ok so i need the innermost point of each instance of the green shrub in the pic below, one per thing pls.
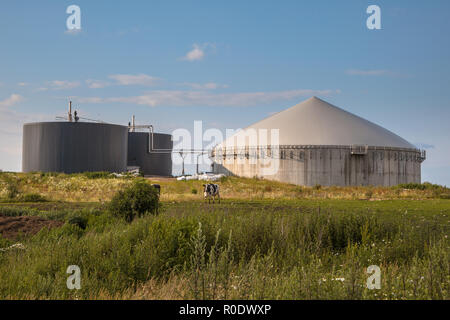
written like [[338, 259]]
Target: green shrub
[[223, 179], [412, 186], [17, 211], [12, 188], [317, 187], [420, 186], [136, 200], [50, 174], [32, 197], [194, 191], [98, 175], [79, 221]]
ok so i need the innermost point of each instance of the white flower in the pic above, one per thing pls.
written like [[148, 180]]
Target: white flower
[[339, 279]]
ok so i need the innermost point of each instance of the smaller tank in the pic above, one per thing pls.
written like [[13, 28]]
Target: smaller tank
[[154, 158]]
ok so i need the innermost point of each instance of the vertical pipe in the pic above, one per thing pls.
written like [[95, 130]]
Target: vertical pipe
[[69, 116]]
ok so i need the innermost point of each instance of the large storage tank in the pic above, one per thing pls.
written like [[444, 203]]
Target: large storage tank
[[151, 158], [73, 147], [319, 143]]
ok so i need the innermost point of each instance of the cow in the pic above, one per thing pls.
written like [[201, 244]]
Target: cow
[[211, 190]]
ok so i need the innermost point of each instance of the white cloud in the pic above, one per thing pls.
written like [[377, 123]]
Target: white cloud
[[11, 100], [97, 84], [11, 123], [203, 98], [197, 53], [63, 84], [139, 79], [23, 84], [204, 86], [356, 72]]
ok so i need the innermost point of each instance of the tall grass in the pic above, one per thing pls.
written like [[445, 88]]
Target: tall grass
[[275, 251]]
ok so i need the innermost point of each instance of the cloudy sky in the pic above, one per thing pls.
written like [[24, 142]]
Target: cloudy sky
[[227, 63]]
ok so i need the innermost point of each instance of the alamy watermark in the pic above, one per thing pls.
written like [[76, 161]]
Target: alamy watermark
[[374, 20], [74, 280], [374, 281], [73, 22], [242, 146]]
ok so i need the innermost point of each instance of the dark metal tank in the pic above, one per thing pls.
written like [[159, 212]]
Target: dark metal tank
[[72, 147], [151, 162]]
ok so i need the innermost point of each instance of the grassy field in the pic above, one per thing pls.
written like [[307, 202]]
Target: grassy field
[[266, 240]]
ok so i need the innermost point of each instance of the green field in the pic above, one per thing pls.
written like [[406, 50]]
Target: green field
[[264, 241]]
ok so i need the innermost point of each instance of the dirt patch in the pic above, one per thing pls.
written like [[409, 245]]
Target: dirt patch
[[12, 227]]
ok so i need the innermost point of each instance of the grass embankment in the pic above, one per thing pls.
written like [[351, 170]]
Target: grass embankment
[[100, 187], [304, 247]]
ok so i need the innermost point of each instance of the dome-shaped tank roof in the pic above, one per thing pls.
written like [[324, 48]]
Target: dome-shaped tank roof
[[317, 122]]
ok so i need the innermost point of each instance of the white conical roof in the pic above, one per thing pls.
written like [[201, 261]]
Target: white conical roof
[[316, 122]]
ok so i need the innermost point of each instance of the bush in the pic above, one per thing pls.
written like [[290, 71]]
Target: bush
[[33, 197], [223, 179], [97, 175], [12, 188], [79, 221], [420, 186], [412, 186], [136, 200], [194, 191], [51, 174]]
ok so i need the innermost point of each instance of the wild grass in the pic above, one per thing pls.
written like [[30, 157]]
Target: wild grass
[[265, 250], [56, 186], [267, 240], [101, 187]]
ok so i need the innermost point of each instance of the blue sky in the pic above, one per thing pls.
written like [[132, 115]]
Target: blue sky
[[229, 64]]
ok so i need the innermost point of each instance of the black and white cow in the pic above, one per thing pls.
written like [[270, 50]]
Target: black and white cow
[[211, 190]]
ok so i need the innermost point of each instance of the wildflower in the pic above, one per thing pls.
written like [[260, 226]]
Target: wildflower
[[339, 279]]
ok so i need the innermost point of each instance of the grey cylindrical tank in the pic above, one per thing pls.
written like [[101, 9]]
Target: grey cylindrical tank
[[151, 162], [72, 147]]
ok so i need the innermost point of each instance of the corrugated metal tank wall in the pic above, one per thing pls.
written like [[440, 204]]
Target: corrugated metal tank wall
[[150, 163], [330, 166], [73, 147]]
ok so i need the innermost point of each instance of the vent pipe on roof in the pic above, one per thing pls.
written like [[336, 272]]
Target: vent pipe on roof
[[69, 115]]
